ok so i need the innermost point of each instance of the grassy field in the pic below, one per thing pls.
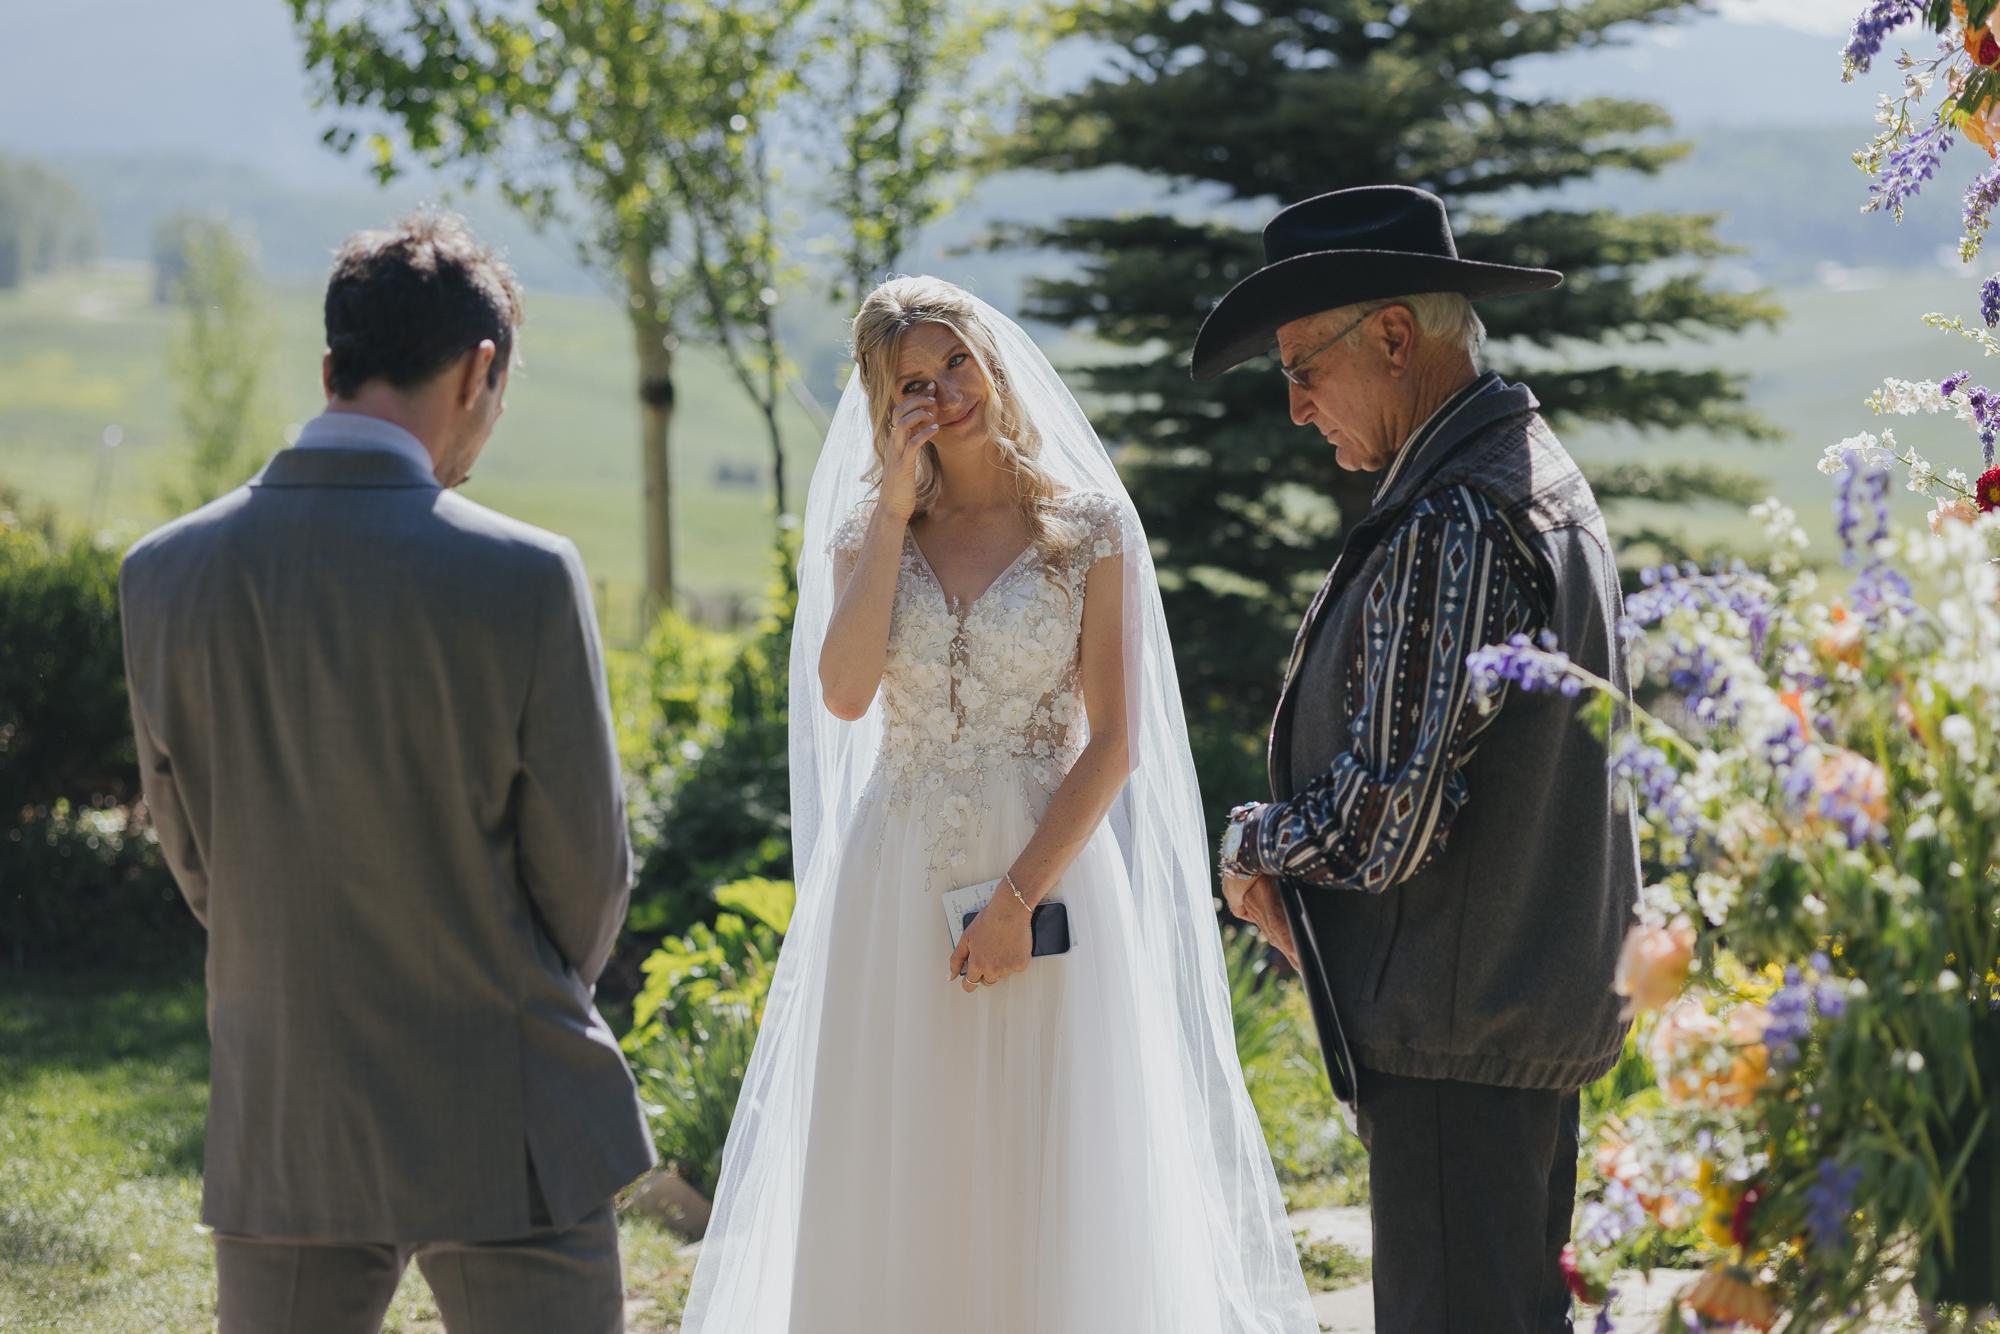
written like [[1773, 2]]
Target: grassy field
[[86, 352], [103, 1092]]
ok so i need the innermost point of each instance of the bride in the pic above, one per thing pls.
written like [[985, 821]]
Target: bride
[[981, 1139]]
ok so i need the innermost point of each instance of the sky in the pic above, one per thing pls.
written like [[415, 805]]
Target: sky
[[1819, 17]]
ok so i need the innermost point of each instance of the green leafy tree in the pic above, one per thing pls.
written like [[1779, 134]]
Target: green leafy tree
[[46, 225], [584, 113], [906, 112], [218, 359], [649, 129], [1260, 104]]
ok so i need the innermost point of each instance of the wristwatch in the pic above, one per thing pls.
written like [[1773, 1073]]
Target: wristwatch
[[1233, 836]]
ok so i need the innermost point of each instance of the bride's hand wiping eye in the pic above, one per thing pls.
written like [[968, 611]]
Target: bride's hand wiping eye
[[911, 427]]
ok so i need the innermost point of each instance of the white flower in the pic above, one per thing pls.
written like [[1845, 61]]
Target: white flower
[[1905, 398], [1717, 895], [1922, 477]]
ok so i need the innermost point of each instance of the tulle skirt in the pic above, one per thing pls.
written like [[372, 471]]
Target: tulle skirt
[[1013, 1161]]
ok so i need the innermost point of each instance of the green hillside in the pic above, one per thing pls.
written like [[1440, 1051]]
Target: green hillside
[[83, 353]]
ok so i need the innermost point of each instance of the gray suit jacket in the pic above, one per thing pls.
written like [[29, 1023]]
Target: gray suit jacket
[[375, 740]]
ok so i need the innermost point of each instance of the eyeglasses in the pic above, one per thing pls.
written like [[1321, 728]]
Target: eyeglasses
[[1291, 372]]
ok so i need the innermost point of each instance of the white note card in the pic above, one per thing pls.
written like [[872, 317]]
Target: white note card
[[959, 902]]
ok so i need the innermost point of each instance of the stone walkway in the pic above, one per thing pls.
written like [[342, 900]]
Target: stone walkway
[[1642, 1299]]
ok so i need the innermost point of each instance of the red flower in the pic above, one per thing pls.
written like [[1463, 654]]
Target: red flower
[[1580, 1285], [1739, 1220], [1987, 490]]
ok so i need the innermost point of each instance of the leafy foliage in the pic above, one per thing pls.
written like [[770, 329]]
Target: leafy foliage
[[46, 224], [714, 800], [696, 1023], [79, 877], [218, 358]]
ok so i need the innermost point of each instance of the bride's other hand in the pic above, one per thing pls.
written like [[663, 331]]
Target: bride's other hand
[[910, 429], [999, 943]]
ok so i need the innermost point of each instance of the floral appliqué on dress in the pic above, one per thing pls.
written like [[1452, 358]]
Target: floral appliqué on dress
[[974, 692]]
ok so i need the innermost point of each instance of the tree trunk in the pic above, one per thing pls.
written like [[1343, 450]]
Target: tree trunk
[[650, 331]]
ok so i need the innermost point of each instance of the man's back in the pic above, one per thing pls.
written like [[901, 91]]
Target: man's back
[[379, 756]]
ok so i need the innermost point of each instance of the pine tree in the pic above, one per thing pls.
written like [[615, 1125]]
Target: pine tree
[[1245, 107]]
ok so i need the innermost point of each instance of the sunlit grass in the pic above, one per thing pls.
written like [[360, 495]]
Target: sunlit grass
[[103, 1093]]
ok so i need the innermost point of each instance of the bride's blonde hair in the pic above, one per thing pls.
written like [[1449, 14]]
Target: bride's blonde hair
[[900, 305]]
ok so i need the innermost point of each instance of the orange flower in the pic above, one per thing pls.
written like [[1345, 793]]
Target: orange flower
[[1729, 1296], [1859, 784], [1700, 1059], [1843, 642], [1795, 700], [1653, 965], [1956, 510]]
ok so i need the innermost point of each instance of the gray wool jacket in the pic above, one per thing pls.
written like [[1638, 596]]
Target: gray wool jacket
[[1493, 963], [375, 740]]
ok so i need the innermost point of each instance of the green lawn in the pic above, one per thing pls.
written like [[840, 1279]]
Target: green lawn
[[103, 1093]]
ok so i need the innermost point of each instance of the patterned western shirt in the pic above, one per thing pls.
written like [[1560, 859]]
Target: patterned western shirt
[[1456, 578]]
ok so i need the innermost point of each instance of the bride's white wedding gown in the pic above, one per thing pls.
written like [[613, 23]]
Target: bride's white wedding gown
[[1016, 1160]]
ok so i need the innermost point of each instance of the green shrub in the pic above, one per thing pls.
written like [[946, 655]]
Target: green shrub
[[690, 1085], [80, 880], [714, 799], [696, 1022], [1318, 1161]]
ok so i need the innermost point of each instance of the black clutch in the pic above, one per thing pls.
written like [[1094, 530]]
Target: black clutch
[[1050, 924]]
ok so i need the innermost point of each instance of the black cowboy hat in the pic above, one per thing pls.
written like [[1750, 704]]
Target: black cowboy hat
[[1370, 243]]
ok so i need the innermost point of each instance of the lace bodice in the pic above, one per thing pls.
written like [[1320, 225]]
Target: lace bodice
[[977, 690]]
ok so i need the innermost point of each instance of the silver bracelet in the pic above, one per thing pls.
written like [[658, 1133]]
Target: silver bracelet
[[1008, 877]]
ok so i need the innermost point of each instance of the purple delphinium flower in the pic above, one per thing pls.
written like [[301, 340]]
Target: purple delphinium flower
[[1531, 665], [1603, 1325], [1785, 750], [1872, 28], [1829, 1200], [1861, 499], [1790, 1023], [1906, 167], [1989, 300], [1830, 1000], [1703, 682], [1980, 197], [1670, 588], [1954, 382], [1881, 588], [1657, 783], [1602, 1224], [1849, 805]]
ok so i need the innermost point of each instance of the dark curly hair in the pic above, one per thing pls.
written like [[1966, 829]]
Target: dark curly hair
[[404, 303]]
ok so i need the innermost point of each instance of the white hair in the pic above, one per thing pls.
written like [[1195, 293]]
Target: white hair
[[1446, 315]]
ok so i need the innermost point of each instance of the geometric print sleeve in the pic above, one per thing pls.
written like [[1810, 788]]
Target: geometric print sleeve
[[1456, 579]]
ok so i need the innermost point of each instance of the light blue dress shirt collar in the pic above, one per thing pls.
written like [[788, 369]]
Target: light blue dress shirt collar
[[354, 430]]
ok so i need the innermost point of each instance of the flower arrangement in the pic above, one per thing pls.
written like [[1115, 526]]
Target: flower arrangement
[[1813, 963], [1814, 969]]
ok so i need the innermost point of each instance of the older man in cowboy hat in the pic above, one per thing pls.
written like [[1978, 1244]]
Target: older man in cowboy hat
[[1452, 881]]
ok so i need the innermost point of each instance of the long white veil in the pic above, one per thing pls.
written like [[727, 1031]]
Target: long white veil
[[742, 1282]]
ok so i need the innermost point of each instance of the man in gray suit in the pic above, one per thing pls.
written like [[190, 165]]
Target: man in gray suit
[[376, 744]]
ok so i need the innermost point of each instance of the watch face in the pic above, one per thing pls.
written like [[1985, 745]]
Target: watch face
[[1232, 841]]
